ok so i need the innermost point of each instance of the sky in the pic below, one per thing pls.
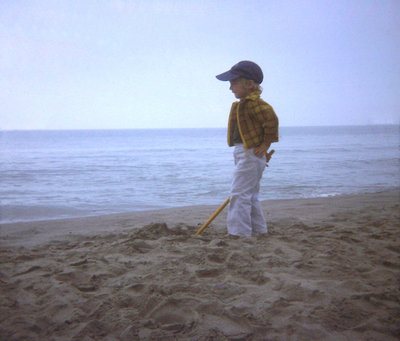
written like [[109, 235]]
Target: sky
[[120, 64]]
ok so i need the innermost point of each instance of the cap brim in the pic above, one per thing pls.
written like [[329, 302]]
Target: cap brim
[[227, 76]]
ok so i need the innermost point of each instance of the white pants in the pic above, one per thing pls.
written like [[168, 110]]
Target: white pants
[[245, 216]]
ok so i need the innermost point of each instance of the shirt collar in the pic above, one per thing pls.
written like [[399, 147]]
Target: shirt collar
[[252, 96]]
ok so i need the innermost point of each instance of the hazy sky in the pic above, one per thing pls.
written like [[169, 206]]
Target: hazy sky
[[77, 64]]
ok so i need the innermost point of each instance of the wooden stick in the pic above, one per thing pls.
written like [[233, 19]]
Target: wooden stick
[[218, 211]]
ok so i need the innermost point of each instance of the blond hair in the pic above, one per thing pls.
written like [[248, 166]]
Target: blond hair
[[255, 86]]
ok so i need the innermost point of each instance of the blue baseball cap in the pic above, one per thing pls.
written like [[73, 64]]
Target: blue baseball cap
[[245, 69]]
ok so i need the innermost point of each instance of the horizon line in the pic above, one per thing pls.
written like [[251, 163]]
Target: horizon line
[[187, 128]]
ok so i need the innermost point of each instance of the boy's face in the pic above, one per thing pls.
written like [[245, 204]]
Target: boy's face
[[241, 87]]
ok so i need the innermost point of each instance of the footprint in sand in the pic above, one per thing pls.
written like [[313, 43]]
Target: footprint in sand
[[216, 257], [230, 324], [211, 272], [174, 314], [79, 279]]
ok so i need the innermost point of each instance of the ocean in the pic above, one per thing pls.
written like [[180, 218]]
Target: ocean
[[61, 174]]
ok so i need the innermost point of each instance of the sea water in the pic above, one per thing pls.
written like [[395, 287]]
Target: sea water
[[57, 174]]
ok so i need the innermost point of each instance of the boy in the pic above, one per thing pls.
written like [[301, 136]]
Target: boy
[[252, 127]]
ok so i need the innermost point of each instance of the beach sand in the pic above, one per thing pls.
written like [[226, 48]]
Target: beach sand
[[328, 270]]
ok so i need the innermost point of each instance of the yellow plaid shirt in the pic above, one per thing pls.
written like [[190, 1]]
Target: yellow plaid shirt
[[256, 119]]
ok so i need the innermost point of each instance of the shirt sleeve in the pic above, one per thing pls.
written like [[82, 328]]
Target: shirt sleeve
[[269, 121]]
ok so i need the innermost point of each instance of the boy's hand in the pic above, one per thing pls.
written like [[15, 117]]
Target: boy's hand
[[269, 155]]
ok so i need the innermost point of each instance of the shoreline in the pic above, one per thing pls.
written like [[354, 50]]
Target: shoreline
[[31, 233], [31, 213], [328, 270]]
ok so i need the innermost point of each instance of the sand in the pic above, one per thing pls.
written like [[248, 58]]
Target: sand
[[328, 270]]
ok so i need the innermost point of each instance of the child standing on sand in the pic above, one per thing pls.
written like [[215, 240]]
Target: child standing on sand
[[252, 127]]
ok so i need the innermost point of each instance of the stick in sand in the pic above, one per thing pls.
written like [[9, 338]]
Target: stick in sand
[[218, 211]]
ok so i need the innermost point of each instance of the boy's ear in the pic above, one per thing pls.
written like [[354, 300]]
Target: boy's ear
[[250, 83]]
